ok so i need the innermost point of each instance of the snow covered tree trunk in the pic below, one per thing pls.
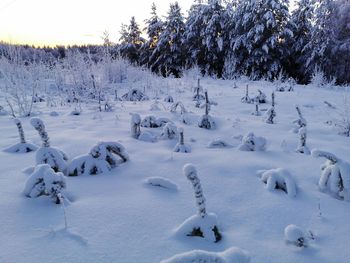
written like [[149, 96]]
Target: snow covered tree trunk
[[207, 105], [20, 130], [40, 127], [181, 140], [190, 172], [135, 126]]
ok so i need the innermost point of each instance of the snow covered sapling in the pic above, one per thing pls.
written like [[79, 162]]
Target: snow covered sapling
[[302, 148], [335, 176], [22, 146], [134, 95], [295, 235], [46, 154], [271, 113], [261, 97], [101, 159], [45, 181], [256, 103], [206, 121], [231, 255], [198, 97], [300, 122], [176, 105], [246, 98], [252, 143], [169, 132], [181, 146], [153, 122], [135, 125], [202, 224], [279, 179], [342, 123], [169, 99]]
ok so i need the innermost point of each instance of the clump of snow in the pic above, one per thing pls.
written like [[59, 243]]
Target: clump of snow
[[295, 235], [252, 143], [161, 182], [219, 143], [100, 159], [335, 175], [135, 95], [46, 154], [231, 255], [169, 131], [181, 146], [279, 178], [45, 181]]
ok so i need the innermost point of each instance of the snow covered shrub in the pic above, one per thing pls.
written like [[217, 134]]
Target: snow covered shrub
[[301, 122], [135, 95], [335, 176], [302, 148], [206, 121], [181, 146], [169, 99], [22, 146], [246, 98], [279, 179], [342, 122], [318, 78], [197, 93], [135, 125], [176, 105], [295, 235], [202, 224], [101, 159], [161, 182], [169, 131], [261, 97], [219, 143], [252, 143], [45, 181], [46, 154], [256, 112], [153, 122], [231, 255], [271, 113]]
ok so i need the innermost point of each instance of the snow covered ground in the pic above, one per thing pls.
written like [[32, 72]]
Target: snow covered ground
[[116, 217]]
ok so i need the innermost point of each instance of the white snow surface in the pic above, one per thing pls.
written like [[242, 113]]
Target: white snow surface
[[125, 222]]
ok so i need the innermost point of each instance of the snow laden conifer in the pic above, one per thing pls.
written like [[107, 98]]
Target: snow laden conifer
[[101, 159], [271, 113], [23, 146], [335, 175], [202, 224], [168, 56], [300, 122], [256, 103], [207, 121], [302, 147], [181, 146], [46, 154], [198, 96], [45, 181]]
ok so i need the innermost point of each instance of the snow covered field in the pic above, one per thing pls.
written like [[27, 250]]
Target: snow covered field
[[119, 217]]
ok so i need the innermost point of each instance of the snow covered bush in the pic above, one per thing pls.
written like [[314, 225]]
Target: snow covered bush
[[22, 146], [46, 154], [279, 179], [153, 122], [342, 122], [206, 121], [246, 98], [271, 113], [252, 143], [256, 112], [161, 182], [169, 131], [261, 97], [198, 97], [302, 148], [202, 224], [176, 105], [135, 95], [169, 99], [45, 181], [301, 122], [219, 143], [295, 235], [101, 159], [335, 175], [231, 255], [181, 146]]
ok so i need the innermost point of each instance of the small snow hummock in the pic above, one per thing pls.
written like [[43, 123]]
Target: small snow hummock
[[335, 175], [100, 159], [279, 179], [231, 255], [181, 146], [46, 154], [203, 224], [252, 143], [261, 97], [219, 143], [161, 182], [295, 235], [23, 146], [169, 131], [45, 181]]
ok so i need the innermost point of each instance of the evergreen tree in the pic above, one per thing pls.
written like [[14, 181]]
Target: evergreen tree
[[168, 56]]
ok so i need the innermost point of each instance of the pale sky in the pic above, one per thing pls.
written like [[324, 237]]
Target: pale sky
[[63, 22]]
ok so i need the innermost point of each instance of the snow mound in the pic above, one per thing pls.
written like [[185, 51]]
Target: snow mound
[[295, 235], [21, 148], [169, 131], [147, 136], [219, 143], [252, 143], [161, 182], [231, 255]]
